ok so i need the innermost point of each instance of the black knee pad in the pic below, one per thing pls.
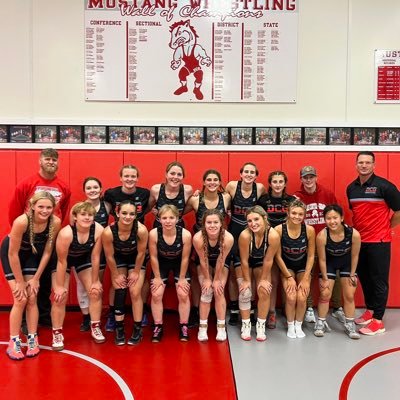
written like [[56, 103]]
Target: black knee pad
[[119, 301]]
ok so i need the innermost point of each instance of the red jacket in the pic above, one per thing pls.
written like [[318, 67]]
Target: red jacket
[[316, 203]]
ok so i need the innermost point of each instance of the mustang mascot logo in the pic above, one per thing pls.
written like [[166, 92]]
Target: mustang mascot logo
[[184, 42]]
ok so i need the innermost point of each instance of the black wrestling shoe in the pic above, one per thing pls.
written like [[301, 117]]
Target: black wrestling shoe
[[157, 333], [137, 335], [193, 317], [183, 333], [85, 325], [119, 339], [233, 318]]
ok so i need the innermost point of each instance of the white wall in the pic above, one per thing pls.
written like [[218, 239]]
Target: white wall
[[42, 70]]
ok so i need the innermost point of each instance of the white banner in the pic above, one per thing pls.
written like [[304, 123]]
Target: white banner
[[191, 50]]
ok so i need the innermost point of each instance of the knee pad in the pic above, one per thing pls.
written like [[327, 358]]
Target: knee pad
[[119, 301], [82, 295], [207, 298]]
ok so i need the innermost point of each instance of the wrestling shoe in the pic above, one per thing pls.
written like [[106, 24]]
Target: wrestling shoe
[[183, 332], [14, 349], [350, 329], [33, 346], [58, 340], [97, 334], [339, 314], [245, 332], [157, 333], [310, 316], [260, 330]]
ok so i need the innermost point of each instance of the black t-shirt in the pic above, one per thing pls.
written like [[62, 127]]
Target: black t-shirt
[[140, 198]]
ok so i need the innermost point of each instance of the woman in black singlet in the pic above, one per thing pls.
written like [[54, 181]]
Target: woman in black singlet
[[173, 191], [92, 188], [295, 259], [25, 253], [213, 245], [338, 246], [78, 246], [125, 244], [169, 246], [275, 203], [258, 244]]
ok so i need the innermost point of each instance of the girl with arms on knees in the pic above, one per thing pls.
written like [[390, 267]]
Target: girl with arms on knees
[[92, 188], [170, 246], [125, 244], [258, 244], [213, 245], [212, 196], [139, 196], [78, 246], [338, 246], [173, 191], [295, 258], [25, 253], [275, 203]]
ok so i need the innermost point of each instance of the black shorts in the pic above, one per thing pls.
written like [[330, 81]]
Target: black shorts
[[167, 267]]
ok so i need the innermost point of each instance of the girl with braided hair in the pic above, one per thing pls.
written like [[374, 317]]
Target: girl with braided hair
[[125, 244], [258, 244], [25, 253], [213, 245], [295, 259]]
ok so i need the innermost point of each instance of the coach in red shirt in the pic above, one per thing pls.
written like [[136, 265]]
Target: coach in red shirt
[[46, 179], [372, 200]]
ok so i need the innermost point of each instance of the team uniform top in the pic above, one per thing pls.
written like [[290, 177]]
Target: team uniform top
[[371, 204], [79, 254], [294, 251], [213, 253], [169, 253], [240, 205], [257, 254], [275, 207], [178, 202], [202, 209], [101, 216], [29, 261], [140, 198], [338, 254]]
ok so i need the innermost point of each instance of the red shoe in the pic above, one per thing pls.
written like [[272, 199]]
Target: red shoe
[[373, 328], [364, 318], [182, 89], [198, 94], [271, 320]]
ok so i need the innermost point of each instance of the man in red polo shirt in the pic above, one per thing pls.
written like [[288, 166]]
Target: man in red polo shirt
[[372, 200]]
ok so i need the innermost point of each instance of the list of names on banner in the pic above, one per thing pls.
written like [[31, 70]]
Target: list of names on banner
[[387, 76], [191, 50]]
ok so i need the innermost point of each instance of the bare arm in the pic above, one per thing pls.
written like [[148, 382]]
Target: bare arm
[[355, 251], [395, 220], [154, 193], [63, 242], [143, 236]]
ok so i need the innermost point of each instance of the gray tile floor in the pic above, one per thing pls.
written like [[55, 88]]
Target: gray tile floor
[[314, 368]]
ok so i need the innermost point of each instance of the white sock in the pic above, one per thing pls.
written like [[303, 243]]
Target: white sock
[[291, 333], [298, 329]]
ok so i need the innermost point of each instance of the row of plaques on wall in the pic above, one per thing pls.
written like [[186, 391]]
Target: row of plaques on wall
[[194, 135]]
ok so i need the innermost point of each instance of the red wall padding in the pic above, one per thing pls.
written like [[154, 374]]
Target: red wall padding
[[335, 170]]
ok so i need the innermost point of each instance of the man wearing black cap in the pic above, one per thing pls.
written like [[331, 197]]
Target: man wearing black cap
[[47, 180], [316, 197]]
